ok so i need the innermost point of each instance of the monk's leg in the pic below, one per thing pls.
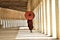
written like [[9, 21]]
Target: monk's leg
[[31, 28], [31, 31]]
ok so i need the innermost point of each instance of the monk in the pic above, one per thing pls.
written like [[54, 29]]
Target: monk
[[30, 25]]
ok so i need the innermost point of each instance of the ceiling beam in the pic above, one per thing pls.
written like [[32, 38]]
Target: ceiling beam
[[14, 4]]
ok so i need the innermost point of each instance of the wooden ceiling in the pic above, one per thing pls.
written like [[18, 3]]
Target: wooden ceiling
[[20, 5]]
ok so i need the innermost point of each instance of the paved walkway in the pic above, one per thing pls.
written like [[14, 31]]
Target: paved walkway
[[15, 34], [25, 34]]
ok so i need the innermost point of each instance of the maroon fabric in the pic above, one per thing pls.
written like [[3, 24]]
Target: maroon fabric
[[29, 15], [30, 24]]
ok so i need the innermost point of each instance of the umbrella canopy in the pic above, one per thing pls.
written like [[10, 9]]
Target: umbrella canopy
[[29, 15]]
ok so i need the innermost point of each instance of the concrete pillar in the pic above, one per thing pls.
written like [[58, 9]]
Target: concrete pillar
[[54, 34], [44, 17], [39, 10], [29, 5], [9, 25], [1, 22], [37, 18], [34, 22], [1, 25], [5, 23], [59, 19], [48, 17], [40, 18], [42, 28]]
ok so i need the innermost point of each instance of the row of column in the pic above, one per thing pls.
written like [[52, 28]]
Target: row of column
[[47, 17], [13, 23]]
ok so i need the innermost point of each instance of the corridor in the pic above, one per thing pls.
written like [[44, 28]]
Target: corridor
[[41, 16]]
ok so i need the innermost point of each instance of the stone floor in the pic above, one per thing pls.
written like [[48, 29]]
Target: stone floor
[[12, 34], [8, 34], [26, 35]]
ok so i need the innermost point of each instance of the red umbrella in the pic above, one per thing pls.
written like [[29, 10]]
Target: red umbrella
[[29, 15]]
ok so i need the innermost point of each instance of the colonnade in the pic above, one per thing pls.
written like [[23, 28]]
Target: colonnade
[[47, 18], [13, 23]]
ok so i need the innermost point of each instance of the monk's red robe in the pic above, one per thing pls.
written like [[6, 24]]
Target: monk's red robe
[[30, 24]]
